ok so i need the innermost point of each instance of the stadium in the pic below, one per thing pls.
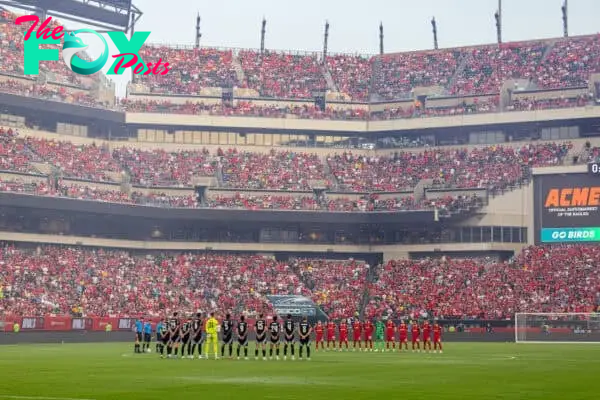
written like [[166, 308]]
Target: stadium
[[381, 206]]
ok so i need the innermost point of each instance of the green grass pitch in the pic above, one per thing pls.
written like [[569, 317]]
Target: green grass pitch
[[464, 371]]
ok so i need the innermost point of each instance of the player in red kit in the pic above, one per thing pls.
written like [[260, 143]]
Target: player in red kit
[[330, 335], [390, 335], [426, 336], [343, 331], [437, 337], [368, 330], [356, 331], [415, 333], [319, 330], [403, 331]]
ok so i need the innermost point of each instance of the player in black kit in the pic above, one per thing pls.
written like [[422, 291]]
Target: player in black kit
[[174, 325], [274, 330], [164, 337], [227, 332], [304, 331], [289, 331], [196, 335], [242, 334], [186, 330], [260, 326]]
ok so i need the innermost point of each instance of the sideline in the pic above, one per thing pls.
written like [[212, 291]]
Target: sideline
[[6, 396]]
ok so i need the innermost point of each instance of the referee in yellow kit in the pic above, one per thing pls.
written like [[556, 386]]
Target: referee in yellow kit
[[211, 328]]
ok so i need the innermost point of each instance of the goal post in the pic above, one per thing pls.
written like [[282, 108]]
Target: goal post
[[557, 328]]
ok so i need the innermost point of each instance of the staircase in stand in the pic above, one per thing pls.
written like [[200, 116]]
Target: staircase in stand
[[329, 79], [237, 67], [459, 70]]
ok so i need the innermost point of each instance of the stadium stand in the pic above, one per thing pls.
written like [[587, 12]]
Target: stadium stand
[[493, 167], [540, 279], [59, 280], [191, 69], [161, 168], [281, 75], [352, 75], [400, 73]]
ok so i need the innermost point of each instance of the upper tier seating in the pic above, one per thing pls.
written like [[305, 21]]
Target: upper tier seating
[[281, 75]]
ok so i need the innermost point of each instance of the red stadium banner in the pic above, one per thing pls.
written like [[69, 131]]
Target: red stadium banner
[[57, 324]]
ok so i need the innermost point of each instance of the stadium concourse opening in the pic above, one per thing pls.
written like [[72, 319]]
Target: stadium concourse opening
[[336, 225]]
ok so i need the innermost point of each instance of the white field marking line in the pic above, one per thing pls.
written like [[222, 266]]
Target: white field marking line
[[5, 396]]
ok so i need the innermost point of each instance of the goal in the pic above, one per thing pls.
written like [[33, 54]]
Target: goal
[[557, 328]]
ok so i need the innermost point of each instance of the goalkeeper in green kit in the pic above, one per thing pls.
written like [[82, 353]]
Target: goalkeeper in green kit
[[379, 330]]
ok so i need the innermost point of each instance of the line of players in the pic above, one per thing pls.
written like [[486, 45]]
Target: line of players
[[383, 333], [177, 337]]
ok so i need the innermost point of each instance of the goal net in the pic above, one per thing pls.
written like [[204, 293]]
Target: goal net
[[557, 327]]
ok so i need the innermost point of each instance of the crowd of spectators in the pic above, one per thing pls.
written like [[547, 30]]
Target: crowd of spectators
[[336, 286], [400, 73], [98, 282], [11, 53], [488, 67], [191, 69], [540, 279], [90, 162], [352, 75], [13, 154], [162, 168], [531, 104], [417, 110], [281, 75], [373, 202], [50, 92], [95, 193], [280, 170], [570, 63], [244, 108], [493, 167], [57, 280], [263, 202]]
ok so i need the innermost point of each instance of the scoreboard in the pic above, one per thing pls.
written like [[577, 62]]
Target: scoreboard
[[567, 207]]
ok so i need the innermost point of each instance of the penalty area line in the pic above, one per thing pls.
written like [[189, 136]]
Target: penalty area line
[[6, 396]]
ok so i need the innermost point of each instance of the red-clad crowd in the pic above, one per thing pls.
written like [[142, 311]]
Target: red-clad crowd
[[488, 67], [570, 63], [246, 201], [494, 167], [60, 280], [540, 279], [531, 104], [281, 170], [13, 155], [88, 162], [416, 110], [243, 109], [162, 168], [63, 280], [263, 202], [50, 92], [352, 75], [398, 74], [282, 75], [191, 69], [337, 286], [372, 202], [11, 52]]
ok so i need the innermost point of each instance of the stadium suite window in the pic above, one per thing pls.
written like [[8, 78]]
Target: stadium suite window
[[560, 132]]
